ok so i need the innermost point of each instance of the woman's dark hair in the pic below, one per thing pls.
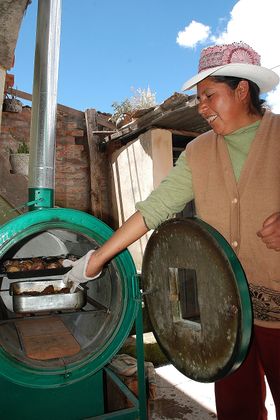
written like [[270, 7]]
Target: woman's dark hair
[[256, 104]]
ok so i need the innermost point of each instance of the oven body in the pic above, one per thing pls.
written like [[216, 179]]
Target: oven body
[[37, 383]]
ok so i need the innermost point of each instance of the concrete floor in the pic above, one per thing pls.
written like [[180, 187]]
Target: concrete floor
[[181, 398], [178, 397]]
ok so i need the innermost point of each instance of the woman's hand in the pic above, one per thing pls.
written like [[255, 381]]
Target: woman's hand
[[270, 232], [90, 266], [95, 264], [78, 273]]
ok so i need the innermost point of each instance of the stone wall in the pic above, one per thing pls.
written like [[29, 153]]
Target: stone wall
[[72, 187]]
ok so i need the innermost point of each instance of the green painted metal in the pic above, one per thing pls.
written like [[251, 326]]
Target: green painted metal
[[126, 413], [139, 409], [81, 400], [75, 391], [74, 220], [140, 359], [40, 198]]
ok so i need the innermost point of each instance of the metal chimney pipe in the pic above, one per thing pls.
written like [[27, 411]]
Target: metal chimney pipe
[[44, 105]]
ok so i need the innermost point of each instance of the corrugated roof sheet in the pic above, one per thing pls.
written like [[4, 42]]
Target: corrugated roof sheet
[[178, 113]]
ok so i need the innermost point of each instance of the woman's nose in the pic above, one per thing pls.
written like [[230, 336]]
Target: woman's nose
[[202, 107]]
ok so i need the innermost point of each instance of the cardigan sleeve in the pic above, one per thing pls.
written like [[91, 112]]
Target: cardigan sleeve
[[170, 197]]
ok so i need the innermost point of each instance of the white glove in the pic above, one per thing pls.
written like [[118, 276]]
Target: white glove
[[77, 274]]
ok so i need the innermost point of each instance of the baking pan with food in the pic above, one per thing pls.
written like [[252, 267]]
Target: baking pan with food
[[20, 268], [41, 296]]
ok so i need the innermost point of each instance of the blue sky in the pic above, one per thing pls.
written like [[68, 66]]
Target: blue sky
[[109, 48]]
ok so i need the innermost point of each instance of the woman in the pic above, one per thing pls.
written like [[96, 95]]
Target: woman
[[237, 165]]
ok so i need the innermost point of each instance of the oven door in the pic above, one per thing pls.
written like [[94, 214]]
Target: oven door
[[197, 298]]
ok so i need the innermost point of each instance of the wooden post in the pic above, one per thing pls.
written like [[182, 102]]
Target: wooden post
[[98, 170], [2, 84]]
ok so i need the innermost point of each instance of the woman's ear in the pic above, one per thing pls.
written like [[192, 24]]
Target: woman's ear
[[242, 89]]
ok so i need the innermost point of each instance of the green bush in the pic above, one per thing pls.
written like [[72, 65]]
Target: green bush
[[23, 148]]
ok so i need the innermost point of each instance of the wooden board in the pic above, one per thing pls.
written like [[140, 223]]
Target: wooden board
[[46, 339], [99, 169]]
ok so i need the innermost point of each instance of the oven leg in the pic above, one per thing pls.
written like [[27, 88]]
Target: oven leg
[[142, 392]]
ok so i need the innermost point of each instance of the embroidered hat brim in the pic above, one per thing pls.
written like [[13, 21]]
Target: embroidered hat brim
[[264, 78]]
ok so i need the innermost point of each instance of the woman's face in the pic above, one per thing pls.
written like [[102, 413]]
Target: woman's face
[[223, 108]]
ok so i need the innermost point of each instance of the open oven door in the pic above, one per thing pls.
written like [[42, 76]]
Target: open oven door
[[197, 298]]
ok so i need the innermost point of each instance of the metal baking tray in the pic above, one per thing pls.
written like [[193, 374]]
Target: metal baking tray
[[24, 303], [37, 273]]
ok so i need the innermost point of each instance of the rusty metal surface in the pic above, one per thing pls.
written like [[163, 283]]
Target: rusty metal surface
[[216, 344]]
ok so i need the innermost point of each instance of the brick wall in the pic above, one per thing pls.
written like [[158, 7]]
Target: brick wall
[[72, 182]]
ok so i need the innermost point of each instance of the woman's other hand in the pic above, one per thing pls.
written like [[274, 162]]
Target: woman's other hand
[[270, 232]]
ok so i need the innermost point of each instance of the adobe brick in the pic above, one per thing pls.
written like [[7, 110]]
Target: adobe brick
[[66, 140], [76, 133]]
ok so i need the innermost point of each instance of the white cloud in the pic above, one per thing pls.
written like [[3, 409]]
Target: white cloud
[[194, 33], [251, 21], [273, 98], [257, 24]]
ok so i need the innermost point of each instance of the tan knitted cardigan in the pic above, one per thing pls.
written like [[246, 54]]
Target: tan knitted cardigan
[[238, 210]]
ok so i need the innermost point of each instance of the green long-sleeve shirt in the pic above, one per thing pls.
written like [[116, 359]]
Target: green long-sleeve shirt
[[175, 191]]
